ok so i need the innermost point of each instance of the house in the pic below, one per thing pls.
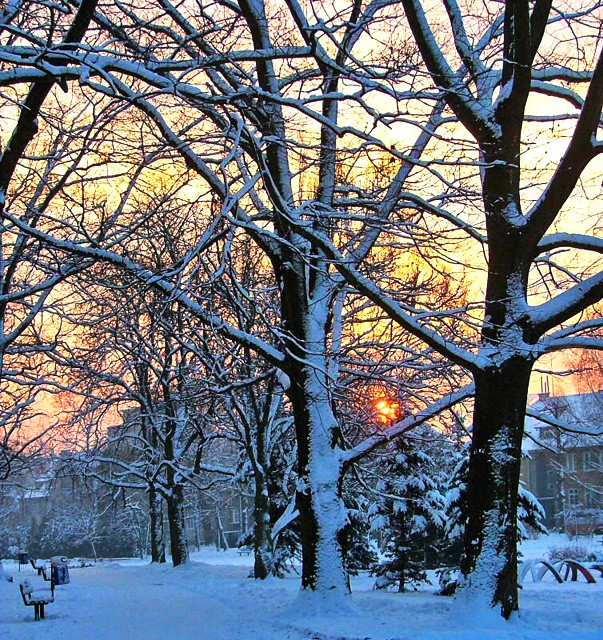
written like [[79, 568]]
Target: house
[[563, 460]]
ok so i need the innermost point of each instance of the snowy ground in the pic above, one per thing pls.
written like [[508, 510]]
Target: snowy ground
[[213, 598]]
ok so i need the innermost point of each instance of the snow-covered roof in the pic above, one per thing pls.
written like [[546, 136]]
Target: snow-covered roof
[[574, 420], [34, 494]]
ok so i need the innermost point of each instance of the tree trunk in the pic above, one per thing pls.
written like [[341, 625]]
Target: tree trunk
[[323, 517], [156, 525], [489, 563], [262, 535], [175, 510]]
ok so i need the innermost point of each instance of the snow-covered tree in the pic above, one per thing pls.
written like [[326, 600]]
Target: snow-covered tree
[[408, 510], [275, 116], [506, 83], [245, 146], [530, 514]]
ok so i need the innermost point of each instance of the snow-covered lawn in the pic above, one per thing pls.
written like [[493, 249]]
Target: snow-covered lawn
[[212, 599]]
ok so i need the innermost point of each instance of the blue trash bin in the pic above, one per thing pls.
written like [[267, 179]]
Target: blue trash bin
[[60, 575], [60, 571]]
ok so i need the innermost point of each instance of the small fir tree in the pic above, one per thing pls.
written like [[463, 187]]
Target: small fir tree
[[407, 514]]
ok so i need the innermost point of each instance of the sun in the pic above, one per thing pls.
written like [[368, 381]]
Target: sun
[[388, 411]]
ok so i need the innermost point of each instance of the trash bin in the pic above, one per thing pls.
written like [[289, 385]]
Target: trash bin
[[59, 569]]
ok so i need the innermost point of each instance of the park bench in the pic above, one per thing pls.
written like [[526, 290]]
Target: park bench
[[40, 568], [36, 598]]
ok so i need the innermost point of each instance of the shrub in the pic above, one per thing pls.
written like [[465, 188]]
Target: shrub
[[570, 552]]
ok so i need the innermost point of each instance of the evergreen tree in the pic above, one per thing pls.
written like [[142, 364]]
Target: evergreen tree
[[407, 514], [530, 513], [360, 548]]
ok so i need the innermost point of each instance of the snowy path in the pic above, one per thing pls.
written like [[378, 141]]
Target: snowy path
[[218, 602], [150, 603]]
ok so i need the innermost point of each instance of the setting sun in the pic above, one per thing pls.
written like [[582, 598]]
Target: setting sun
[[388, 411]]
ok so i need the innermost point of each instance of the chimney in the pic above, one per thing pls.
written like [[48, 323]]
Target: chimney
[[544, 389]]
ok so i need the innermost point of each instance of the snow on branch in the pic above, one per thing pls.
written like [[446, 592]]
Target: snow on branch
[[574, 240], [474, 115], [373, 292], [580, 151], [407, 424], [562, 424], [567, 304]]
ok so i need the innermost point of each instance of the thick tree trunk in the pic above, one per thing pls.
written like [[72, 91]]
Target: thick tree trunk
[[323, 517], [175, 511], [489, 563], [156, 525]]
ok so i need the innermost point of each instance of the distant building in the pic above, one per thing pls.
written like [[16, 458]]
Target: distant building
[[563, 467]]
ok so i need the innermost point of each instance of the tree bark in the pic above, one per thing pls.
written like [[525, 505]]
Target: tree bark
[[176, 519], [262, 538], [489, 563], [322, 514], [156, 525]]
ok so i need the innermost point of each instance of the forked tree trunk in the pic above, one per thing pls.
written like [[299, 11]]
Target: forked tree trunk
[[306, 296], [489, 563]]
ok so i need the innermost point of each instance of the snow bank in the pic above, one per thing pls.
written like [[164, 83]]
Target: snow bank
[[212, 597]]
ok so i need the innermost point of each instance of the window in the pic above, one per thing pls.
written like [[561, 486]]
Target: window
[[573, 497], [571, 461], [591, 499], [590, 460]]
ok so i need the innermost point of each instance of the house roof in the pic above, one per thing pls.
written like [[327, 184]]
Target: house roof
[[565, 422]]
